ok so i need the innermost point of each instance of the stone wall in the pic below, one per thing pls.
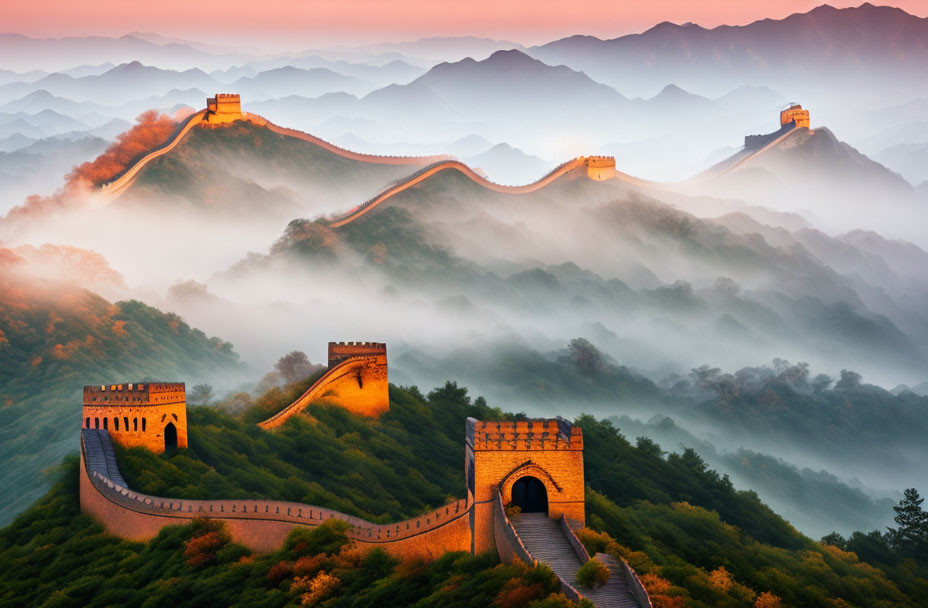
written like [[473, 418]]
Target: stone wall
[[118, 185], [261, 525], [358, 384], [453, 165]]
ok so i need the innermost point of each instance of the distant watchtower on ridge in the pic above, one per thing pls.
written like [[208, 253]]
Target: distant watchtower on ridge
[[792, 117], [796, 116], [224, 107]]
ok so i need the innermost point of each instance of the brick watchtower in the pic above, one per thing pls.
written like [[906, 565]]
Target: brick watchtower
[[151, 415], [794, 115], [536, 465], [224, 107]]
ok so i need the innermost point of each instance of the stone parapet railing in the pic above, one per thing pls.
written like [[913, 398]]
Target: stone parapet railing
[[103, 473], [581, 551], [523, 553]]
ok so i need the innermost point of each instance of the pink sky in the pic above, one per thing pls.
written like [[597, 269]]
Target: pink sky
[[303, 22]]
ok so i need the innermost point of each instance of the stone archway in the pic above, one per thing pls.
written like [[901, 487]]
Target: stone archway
[[530, 495], [170, 436]]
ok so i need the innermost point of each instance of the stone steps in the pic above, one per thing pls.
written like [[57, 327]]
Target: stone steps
[[545, 541], [100, 456]]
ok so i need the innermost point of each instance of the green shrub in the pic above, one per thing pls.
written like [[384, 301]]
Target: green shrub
[[592, 574]]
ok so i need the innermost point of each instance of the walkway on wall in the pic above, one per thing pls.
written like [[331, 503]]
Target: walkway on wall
[[738, 159], [118, 185], [348, 366], [726, 166], [454, 165], [546, 541], [103, 473]]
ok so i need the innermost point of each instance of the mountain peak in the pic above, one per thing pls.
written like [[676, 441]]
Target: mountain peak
[[510, 57], [672, 90]]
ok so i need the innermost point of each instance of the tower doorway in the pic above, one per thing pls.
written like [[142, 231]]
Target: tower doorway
[[530, 495], [170, 436]]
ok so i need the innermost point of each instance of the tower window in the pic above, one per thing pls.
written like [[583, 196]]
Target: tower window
[[116, 423]]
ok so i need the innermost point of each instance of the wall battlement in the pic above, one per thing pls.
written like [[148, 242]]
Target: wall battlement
[[339, 351], [537, 434], [139, 394]]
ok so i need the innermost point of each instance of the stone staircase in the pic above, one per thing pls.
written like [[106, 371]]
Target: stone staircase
[[545, 541], [99, 454]]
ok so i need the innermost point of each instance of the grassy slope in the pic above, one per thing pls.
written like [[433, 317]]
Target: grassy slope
[[55, 340], [674, 519]]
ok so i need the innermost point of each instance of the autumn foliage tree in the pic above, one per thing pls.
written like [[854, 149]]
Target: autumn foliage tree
[[150, 131]]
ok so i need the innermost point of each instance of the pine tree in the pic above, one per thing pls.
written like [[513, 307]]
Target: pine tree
[[911, 537]]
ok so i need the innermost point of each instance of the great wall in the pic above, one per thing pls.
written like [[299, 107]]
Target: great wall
[[226, 108], [535, 465], [355, 380], [223, 114]]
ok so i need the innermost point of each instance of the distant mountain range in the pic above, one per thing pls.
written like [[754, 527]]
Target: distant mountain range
[[824, 46]]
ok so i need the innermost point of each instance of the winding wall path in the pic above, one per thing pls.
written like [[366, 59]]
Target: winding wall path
[[119, 184], [349, 366], [261, 525], [432, 165], [454, 165]]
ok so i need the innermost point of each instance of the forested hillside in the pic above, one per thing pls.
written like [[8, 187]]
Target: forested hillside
[[57, 337], [695, 540]]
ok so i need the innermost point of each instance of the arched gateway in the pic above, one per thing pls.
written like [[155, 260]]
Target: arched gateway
[[536, 465]]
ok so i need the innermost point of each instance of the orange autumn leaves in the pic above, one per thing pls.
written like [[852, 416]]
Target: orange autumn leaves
[[152, 130]]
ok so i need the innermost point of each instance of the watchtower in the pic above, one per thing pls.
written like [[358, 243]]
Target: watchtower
[[599, 168], [796, 115], [152, 415], [224, 107], [357, 378], [536, 465]]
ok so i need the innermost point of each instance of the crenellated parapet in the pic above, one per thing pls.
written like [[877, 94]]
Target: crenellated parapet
[[525, 435], [340, 351]]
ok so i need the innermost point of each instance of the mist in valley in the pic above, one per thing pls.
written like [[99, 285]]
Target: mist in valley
[[694, 262]]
